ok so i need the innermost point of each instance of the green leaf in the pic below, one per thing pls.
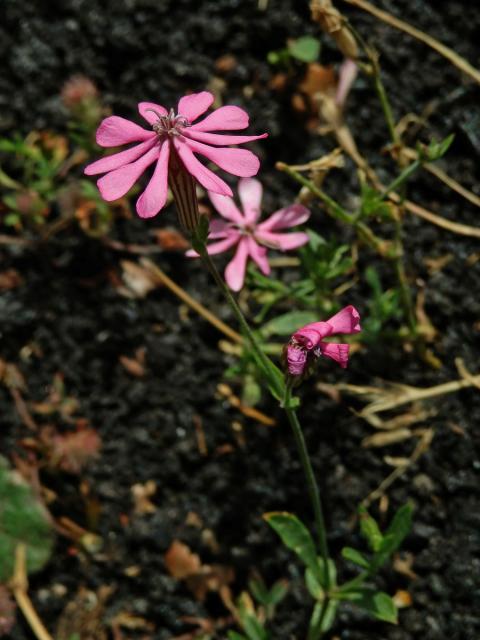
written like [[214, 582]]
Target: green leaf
[[11, 219], [233, 635], [356, 557], [23, 520], [251, 391], [253, 628], [396, 532], [315, 586], [435, 150], [370, 530], [317, 628], [296, 537], [305, 49], [373, 203], [259, 591], [288, 323], [278, 592], [377, 603]]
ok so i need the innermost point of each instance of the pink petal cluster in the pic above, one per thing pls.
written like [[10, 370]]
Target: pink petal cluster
[[172, 141], [307, 345], [241, 228]]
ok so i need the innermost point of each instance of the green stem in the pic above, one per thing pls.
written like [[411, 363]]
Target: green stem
[[405, 291], [264, 360], [313, 490], [401, 179], [333, 208], [387, 109], [312, 485]]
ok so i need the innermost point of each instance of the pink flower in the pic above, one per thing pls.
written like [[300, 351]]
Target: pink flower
[[306, 345], [172, 142], [242, 229]]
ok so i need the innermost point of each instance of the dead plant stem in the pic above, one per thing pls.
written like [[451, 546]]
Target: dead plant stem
[[19, 586]]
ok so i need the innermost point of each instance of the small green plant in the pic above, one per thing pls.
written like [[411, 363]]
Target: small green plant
[[254, 619], [322, 585], [304, 49]]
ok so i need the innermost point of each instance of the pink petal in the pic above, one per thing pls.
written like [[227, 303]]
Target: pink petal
[[282, 241], [290, 216], [296, 360], [115, 184], [310, 335], [227, 118], [217, 247], [347, 320], [238, 162], [218, 139], [205, 177], [218, 228], [337, 352], [116, 160], [258, 255], [346, 78], [150, 117], [195, 104], [226, 207], [223, 245], [114, 131], [235, 271], [250, 192], [155, 195]]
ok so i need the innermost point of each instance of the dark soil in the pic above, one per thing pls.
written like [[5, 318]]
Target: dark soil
[[68, 308]]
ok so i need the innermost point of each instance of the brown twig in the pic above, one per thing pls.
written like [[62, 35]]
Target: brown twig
[[193, 304], [434, 44], [19, 587]]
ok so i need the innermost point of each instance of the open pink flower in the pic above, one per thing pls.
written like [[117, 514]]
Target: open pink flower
[[306, 345], [172, 143], [251, 237]]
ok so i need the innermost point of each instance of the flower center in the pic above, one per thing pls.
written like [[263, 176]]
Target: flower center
[[170, 124]]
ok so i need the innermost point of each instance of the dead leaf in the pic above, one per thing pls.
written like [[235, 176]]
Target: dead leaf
[[70, 451], [10, 279], [138, 280], [185, 565], [402, 599], [387, 437], [403, 564], [180, 561], [83, 617], [135, 366], [130, 621], [171, 240], [225, 63], [141, 497]]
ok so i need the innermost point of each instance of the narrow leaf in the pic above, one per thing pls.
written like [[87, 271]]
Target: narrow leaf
[[376, 603], [288, 323], [296, 537], [370, 530], [356, 557]]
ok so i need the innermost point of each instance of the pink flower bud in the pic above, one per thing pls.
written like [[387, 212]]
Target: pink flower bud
[[306, 345]]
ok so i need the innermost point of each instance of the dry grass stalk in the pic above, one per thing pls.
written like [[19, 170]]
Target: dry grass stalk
[[434, 44], [19, 587]]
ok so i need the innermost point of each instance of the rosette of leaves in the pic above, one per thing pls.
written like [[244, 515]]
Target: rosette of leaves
[[23, 520]]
